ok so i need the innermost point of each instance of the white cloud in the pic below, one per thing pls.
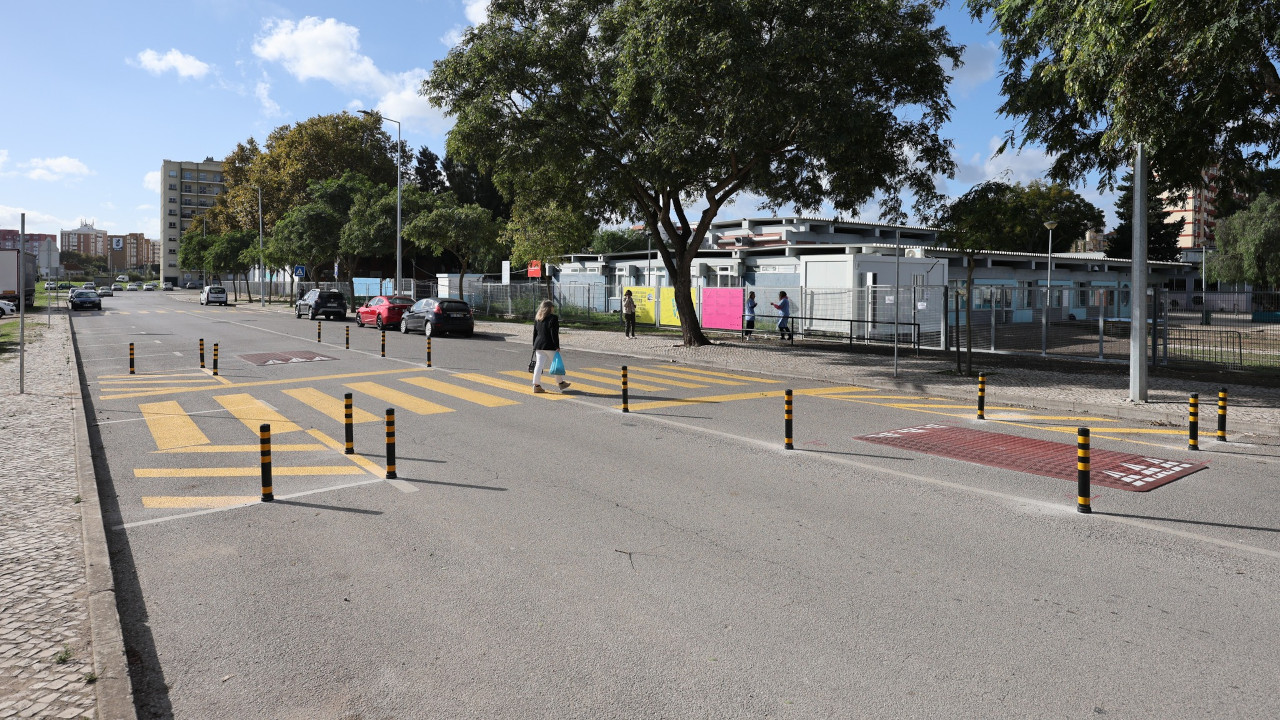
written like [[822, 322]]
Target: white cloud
[[186, 66], [37, 222], [477, 11], [329, 50], [145, 206], [52, 169], [452, 37], [979, 67], [151, 181], [1012, 166], [320, 49], [4, 157], [270, 107]]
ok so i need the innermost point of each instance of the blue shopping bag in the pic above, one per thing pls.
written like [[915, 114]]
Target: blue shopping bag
[[557, 365]]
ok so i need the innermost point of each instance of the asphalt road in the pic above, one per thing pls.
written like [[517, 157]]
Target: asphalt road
[[548, 556]]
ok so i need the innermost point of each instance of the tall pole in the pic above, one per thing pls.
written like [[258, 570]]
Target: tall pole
[[22, 304], [1138, 283], [399, 163], [1048, 292], [897, 260], [262, 264]]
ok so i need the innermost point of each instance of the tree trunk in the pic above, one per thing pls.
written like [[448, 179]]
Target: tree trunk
[[690, 326], [248, 292]]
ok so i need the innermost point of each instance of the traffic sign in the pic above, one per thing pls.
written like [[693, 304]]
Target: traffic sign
[[299, 270]]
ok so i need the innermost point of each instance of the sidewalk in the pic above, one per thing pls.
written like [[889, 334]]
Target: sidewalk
[[61, 655]]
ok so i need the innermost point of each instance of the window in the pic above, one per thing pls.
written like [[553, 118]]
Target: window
[[173, 173], [173, 200], [186, 174], [172, 211], [202, 177], [173, 251], [186, 187], [173, 187], [173, 264], [173, 225]]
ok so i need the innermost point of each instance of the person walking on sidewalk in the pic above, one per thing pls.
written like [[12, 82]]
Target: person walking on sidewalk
[[749, 319], [546, 342], [629, 314], [784, 310]]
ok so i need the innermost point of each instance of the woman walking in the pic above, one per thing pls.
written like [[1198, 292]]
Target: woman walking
[[546, 342], [750, 316]]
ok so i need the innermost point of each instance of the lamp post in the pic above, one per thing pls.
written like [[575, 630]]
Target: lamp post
[[370, 113], [1048, 292], [262, 265]]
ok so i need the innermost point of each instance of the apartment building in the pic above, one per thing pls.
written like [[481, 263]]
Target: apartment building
[[128, 252], [187, 190], [86, 240], [1198, 211]]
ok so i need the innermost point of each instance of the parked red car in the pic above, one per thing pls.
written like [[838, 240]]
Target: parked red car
[[383, 311]]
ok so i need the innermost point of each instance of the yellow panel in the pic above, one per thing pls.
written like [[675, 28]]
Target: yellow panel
[[459, 392], [631, 384], [412, 403], [522, 388], [645, 302], [253, 412], [215, 501], [713, 373], [667, 314], [171, 427], [331, 406], [687, 376], [638, 373], [254, 471], [551, 380]]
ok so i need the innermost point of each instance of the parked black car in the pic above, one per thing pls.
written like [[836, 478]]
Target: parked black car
[[438, 316], [83, 298], [329, 303]]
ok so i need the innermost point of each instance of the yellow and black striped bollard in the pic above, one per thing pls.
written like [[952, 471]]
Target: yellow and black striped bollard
[[317, 331], [787, 424], [348, 424], [264, 449], [982, 396], [428, 349], [1222, 415], [201, 353], [1193, 422], [215, 359], [625, 408], [1082, 471], [130, 358], [384, 343], [391, 443], [347, 342]]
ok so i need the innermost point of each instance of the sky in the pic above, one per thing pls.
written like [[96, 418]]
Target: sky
[[99, 94]]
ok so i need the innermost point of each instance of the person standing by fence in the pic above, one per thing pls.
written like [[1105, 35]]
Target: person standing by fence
[[784, 316], [749, 318], [629, 314], [546, 342]]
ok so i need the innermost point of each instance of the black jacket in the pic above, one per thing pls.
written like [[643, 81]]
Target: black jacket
[[546, 333]]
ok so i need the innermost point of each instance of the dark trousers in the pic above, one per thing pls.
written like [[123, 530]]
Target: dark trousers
[[629, 320], [751, 325]]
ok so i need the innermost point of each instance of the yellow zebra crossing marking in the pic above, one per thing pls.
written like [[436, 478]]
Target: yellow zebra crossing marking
[[213, 501], [688, 376], [328, 405], [254, 471], [580, 386], [170, 426], [252, 448], [253, 412], [634, 373], [521, 388], [715, 373], [617, 379], [711, 399], [412, 403], [459, 392]]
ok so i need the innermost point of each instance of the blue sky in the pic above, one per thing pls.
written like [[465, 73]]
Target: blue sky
[[98, 94]]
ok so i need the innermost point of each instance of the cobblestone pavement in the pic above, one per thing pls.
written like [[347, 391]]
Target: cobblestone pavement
[[46, 658]]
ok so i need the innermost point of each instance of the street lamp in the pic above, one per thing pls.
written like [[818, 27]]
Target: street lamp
[[1048, 292], [262, 265], [370, 113]]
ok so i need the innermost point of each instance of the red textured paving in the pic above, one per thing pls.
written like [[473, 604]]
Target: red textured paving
[[1122, 471]]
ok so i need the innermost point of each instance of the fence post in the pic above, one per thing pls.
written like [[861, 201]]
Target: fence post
[[347, 342], [428, 349], [1193, 422], [201, 353], [1082, 471], [130, 358], [391, 443], [384, 343], [264, 450], [215, 359], [317, 331]]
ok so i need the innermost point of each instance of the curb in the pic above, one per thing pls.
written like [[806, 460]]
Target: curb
[[113, 687]]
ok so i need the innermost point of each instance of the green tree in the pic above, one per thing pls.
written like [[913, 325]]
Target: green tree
[[1040, 201], [1089, 79], [664, 110], [614, 240], [467, 232], [1162, 236], [543, 232], [1249, 246]]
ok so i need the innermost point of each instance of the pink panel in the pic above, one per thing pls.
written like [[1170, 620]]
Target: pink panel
[[722, 308]]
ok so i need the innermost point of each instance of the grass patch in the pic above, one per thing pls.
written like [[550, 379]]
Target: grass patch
[[63, 655]]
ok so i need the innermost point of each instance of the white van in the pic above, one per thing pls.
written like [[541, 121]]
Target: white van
[[213, 294]]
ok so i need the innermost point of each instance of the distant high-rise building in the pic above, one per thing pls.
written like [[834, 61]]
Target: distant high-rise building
[[128, 252], [187, 190], [86, 240], [1198, 210]]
